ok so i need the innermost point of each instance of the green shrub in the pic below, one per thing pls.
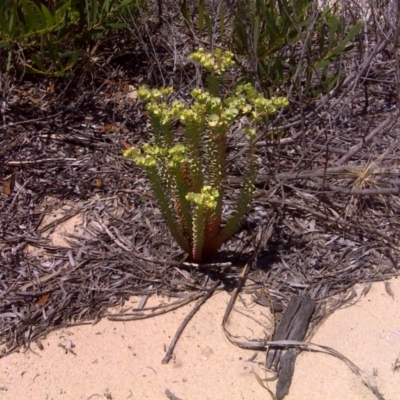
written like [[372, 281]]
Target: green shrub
[[284, 35], [43, 37], [280, 41]]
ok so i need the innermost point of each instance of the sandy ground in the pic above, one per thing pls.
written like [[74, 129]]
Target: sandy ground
[[122, 360]]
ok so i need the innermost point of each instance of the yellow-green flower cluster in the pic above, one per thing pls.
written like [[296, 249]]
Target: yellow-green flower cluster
[[191, 116], [245, 100], [142, 160], [151, 155], [224, 118], [216, 63], [251, 131], [206, 198], [176, 155], [263, 106], [211, 103], [219, 113], [147, 94], [164, 112], [204, 97], [250, 102]]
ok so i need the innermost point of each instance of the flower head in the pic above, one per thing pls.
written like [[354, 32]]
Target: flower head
[[206, 198]]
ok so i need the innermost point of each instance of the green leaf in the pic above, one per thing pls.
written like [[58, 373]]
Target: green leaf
[[124, 3], [332, 82], [333, 27], [69, 53], [354, 31], [338, 50], [106, 7], [256, 33], [222, 18], [3, 23], [198, 233], [37, 60], [166, 211], [208, 25], [323, 64], [11, 30], [116, 25], [88, 15], [242, 205], [201, 16], [30, 17], [61, 13], [5, 43], [94, 11], [185, 15], [47, 15]]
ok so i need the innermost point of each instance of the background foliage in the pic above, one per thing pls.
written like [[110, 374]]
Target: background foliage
[[282, 42], [277, 41], [293, 41], [46, 37]]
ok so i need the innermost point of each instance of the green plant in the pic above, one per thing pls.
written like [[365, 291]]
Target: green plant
[[187, 177], [42, 38], [273, 33]]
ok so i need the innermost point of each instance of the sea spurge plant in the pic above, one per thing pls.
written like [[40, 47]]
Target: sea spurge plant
[[216, 63], [188, 177]]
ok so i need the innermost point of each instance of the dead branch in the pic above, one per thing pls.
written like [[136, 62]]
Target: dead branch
[[380, 129]]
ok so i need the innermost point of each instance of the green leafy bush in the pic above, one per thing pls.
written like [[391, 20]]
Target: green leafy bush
[[284, 35], [187, 174], [42, 37], [280, 41]]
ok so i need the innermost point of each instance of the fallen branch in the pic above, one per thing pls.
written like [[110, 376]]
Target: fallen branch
[[365, 192], [379, 129], [207, 295]]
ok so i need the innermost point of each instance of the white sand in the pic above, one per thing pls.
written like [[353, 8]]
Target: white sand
[[116, 360]]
